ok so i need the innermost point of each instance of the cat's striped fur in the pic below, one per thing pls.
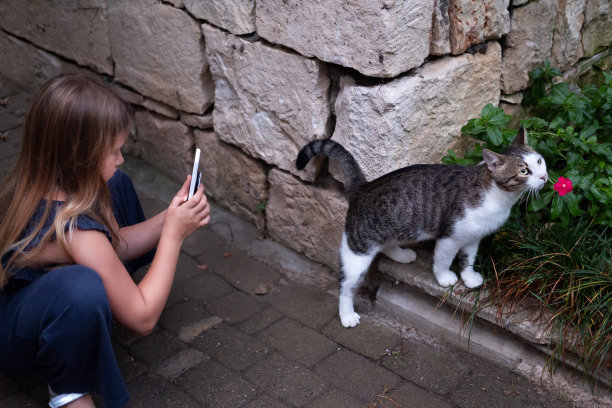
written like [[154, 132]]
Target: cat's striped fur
[[452, 204]]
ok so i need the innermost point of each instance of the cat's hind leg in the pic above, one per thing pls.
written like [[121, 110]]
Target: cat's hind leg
[[444, 253], [354, 267], [399, 254], [470, 277]]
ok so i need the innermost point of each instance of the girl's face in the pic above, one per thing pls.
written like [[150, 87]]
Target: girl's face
[[114, 158]]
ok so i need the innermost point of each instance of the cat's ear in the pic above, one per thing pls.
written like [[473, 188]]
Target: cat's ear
[[493, 160], [521, 138]]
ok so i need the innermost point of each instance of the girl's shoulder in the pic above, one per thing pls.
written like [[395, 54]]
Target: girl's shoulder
[[83, 221]]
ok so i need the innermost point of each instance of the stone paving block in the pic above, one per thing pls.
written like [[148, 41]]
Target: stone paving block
[[297, 342], [336, 399], [202, 241], [286, 380], [129, 366], [123, 336], [223, 258], [181, 362], [215, 386], [20, 400], [231, 347], [183, 314], [483, 390], [264, 401], [157, 347], [260, 321], [188, 333], [203, 288], [356, 375], [432, 369], [8, 386], [410, 395], [234, 307], [252, 277], [154, 391], [186, 268], [307, 305], [368, 338]]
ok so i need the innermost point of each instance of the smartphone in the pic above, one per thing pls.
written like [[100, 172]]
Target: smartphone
[[196, 175]]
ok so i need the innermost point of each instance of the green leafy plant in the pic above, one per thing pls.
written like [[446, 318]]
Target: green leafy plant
[[555, 250]]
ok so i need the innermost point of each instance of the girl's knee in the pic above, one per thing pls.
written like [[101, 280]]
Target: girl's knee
[[81, 295]]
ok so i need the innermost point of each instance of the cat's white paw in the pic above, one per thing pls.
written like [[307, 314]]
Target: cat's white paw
[[471, 279], [349, 319], [446, 279]]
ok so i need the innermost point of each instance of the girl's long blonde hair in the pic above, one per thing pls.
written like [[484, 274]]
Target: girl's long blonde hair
[[68, 132]]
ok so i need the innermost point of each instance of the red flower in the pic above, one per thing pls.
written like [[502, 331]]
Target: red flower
[[563, 186]]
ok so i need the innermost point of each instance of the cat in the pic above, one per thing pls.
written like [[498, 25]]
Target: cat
[[455, 205]]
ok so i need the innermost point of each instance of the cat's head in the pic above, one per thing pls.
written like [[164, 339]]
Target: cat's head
[[519, 167]]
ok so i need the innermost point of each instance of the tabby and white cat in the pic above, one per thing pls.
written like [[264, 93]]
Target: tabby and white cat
[[453, 204]]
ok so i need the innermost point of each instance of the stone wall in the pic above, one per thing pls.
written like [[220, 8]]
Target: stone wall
[[250, 82]]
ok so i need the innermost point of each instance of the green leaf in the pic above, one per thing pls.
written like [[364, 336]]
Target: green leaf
[[571, 201], [495, 135], [556, 207]]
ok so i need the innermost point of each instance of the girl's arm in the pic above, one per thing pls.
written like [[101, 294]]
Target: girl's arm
[[138, 307], [138, 239]]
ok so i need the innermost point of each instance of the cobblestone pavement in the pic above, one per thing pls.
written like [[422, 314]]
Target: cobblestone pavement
[[237, 332]]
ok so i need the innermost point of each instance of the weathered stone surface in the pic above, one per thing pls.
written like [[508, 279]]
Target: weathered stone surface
[[26, 65], [76, 29], [597, 30], [159, 52], [198, 121], [235, 180], [416, 118], [440, 29], [160, 108], [236, 16], [473, 22], [567, 44], [165, 143], [268, 101], [529, 43], [307, 218], [381, 39]]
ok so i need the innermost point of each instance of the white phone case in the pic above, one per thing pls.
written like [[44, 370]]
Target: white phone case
[[195, 175]]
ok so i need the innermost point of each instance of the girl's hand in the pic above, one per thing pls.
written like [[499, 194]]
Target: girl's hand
[[184, 217]]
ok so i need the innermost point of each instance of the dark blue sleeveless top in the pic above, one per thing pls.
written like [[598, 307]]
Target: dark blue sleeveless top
[[29, 274]]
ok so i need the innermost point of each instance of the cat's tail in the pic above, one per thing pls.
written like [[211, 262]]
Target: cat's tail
[[353, 176]]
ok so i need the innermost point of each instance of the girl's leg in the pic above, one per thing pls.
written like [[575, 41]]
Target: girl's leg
[[128, 211], [61, 324]]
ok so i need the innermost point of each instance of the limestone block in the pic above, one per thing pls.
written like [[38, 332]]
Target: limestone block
[[75, 29], [473, 22], [236, 16], [377, 38], [165, 143], [597, 30], [159, 52], [440, 29], [268, 101], [529, 43], [416, 118], [236, 181], [198, 121], [307, 218], [26, 65], [567, 41]]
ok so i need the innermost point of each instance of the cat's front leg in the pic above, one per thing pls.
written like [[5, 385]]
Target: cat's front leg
[[470, 277], [444, 253]]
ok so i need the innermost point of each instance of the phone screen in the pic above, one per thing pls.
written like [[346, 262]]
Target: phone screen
[[195, 175]]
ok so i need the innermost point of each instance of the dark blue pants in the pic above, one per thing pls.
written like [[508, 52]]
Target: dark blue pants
[[61, 322]]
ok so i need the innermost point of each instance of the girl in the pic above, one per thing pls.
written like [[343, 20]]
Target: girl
[[69, 221]]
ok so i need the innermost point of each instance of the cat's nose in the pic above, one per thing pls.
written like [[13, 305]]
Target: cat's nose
[[544, 177]]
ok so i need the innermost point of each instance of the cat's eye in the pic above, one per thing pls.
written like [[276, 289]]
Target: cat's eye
[[524, 172], [540, 161]]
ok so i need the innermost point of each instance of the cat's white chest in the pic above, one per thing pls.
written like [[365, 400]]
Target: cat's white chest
[[488, 216]]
